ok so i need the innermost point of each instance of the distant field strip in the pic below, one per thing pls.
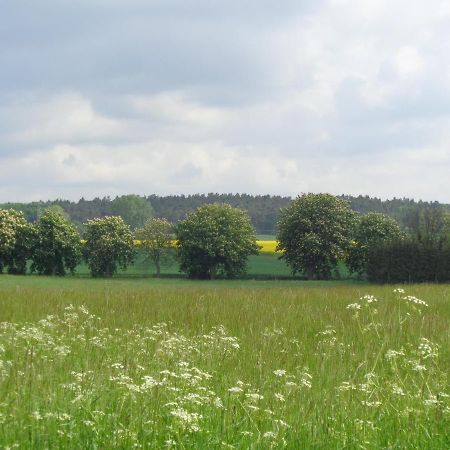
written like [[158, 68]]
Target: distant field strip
[[265, 246]]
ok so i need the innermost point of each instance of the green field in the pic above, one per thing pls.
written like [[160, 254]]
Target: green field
[[262, 266], [147, 363]]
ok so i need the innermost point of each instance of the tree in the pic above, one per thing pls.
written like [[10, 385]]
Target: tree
[[156, 238], [133, 209], [59, 210], [56, 245], [215, 239], [15, 241], [109, 245], [314, 232], [370, 230]]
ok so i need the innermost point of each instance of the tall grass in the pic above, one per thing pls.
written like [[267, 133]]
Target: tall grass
[[123, 364]]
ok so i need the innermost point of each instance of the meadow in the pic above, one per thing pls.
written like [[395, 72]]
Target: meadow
[[172, 363]]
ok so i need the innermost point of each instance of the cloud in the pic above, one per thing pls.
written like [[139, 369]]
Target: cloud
[[110, 97]]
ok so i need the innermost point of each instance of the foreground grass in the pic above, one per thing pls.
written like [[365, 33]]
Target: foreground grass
[[160, 364]]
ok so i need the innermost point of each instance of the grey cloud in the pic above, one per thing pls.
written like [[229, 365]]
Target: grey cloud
[[305, 90]]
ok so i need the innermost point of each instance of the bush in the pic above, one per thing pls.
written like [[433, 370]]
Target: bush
[[370, 230], [408, 261]]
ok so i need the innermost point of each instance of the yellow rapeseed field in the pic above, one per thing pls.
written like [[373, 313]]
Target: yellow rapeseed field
[[265, 246]]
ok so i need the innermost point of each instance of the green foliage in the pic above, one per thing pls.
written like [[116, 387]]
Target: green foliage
[[109, 245], [408, 260], [56, 245], [187, 365], [215, 239], [58, 209], [156, 238], [370, 230], [15, 241], [314, 232], [133, 209], [262, 209]]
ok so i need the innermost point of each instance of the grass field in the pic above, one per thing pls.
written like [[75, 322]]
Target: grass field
[[263, 265], [146, 363], [266, 265]]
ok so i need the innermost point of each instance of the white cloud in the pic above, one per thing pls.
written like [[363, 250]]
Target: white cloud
[[342, 96], [60, 118]]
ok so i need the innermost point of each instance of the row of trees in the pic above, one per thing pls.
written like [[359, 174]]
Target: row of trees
[[314, 232], [214, 240], [263, 210]]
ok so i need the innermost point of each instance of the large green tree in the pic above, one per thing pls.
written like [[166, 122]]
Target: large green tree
[[56, 247], [313, 233], [133, 209], [156, 240], [15, 241], [370, 230], [215, 240], [108, 245]]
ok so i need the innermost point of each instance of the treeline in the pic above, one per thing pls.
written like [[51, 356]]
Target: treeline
[[263, 210], [314, 233]]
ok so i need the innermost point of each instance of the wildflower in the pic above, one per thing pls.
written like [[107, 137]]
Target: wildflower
[[282, 423], [246, 433], [393, 354], [269, 435], [397, 390], [187, 419], [36, 415], [354, 306], [427, 349], [431, 401], [279, 397], [235, 390], [370, 404], [419, 367], [369, 299], [399, 291], [415, 300], [279, 372], [254, 397]]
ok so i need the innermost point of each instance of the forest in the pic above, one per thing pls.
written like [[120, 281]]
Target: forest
[[263, 209]]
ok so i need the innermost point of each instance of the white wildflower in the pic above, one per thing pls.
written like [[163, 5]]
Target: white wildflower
[[354, 306], [397, 390], [369, 299], [415, 300], [235, 390], [270, 435]]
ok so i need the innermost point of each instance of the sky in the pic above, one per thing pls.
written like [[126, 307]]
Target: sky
[[111, 97]]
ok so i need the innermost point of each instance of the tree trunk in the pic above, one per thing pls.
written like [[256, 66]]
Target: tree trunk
[[158, 267], [311, 275]]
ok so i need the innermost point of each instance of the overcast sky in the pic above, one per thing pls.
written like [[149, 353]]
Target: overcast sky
[[109, 97]]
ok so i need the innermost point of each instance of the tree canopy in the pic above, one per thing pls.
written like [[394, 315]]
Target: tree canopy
[[215, 240], [156, 240], [133, 209], [56, 246], [370, 230], [15, 241], [109, 245], [314, 232]]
